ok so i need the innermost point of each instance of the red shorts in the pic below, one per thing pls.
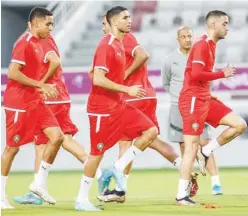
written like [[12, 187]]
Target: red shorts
[[107, 129], [62, 114], [196, 111], [148, 107], [21, 125]]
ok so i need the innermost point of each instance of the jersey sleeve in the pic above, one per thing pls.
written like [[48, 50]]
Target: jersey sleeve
[[130, 44], [200, 51], [198, 74], [103, 57], [19, 53]]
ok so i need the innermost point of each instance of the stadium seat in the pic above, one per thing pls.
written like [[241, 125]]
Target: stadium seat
[[177, 21]]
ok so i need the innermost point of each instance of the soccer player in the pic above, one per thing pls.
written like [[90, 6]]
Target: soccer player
[[60, 106], [172, 77], [136, 73], [197, 106], [110, 117], [26, 113]]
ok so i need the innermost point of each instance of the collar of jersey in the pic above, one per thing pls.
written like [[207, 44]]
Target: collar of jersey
[[208, 38], [33, 38]]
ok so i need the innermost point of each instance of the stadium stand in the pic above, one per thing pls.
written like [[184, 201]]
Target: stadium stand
[[160, 19]]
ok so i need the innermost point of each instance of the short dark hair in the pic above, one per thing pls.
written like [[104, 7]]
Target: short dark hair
[[215, 13], [38, 12], [114, 11]]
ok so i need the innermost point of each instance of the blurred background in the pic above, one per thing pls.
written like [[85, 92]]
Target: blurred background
[[77, 31]]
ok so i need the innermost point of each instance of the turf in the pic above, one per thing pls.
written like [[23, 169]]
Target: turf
[[150, 193]]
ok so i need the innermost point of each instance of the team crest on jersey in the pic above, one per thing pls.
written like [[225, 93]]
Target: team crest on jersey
[[195, 126], [16, 138], [100, 146]]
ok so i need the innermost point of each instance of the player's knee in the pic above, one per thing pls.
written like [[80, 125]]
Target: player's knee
[[58, 138], [12, 150], [241, 126], [152, 133]]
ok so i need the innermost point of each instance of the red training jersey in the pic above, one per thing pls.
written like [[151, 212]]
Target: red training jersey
[[199, 68], [28, 52], [140, 76], [49, 45], [109, 56]]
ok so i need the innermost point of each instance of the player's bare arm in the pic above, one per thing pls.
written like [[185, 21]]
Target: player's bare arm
[[99, 79], [140, 58], [54, 63], [15, 73]]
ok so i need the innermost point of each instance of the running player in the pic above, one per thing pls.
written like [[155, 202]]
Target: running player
[[197, 106], [26, 113], [172, 77], [136, 73], [110, 117], [60, 107]]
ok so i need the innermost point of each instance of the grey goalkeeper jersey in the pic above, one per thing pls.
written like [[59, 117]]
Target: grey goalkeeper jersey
[[172, 72]]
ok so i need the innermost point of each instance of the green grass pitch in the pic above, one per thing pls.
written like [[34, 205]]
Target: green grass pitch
[[150, 193]]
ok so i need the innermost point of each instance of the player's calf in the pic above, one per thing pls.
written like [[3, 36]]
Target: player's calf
[[72, 146], [7, 159]]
